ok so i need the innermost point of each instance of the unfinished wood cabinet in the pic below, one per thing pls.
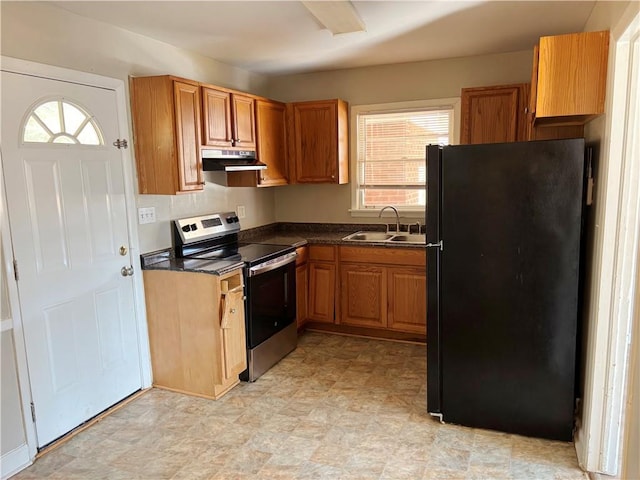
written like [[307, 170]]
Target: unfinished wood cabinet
[[322, 283], [196, 330], [319, 141], [569, 78], [494, 114], [302, 286], [271, 148], [229, 119], [166, 134]]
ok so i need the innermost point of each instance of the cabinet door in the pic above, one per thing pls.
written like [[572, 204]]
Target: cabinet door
[[244, 121], [408, 300], [271, 143], [316, 142], [572, 74], [545, 132], [232, 326], [363, 293], [302, 283], [322, 284], [187, 108], [494, 114], [216, 107]]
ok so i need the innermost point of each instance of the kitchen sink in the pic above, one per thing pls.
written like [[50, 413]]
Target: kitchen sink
[[369, 237], [409, 238], [382, 237]]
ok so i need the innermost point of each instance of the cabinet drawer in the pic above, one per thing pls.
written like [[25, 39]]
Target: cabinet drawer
[[325, 253], [384, 256], [302, 255]]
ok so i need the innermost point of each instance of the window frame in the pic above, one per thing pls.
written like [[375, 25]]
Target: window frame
[[356, 110]]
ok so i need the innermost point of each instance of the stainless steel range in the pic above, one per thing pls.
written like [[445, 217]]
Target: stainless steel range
[[270, 286]]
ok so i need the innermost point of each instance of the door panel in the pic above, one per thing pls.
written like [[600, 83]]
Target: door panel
[[68, 219]]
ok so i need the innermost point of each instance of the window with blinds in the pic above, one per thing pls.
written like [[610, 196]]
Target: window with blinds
[[391, 145]]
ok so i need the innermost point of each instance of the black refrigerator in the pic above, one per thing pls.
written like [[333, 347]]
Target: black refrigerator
[[504, 229]]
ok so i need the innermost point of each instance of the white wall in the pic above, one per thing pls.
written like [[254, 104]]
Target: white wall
[[43, 33], [383, 84], [600, 254]]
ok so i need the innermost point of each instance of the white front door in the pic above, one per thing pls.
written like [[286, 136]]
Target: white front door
[[68, 218]]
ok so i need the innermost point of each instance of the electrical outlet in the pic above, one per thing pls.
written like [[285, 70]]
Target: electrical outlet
[[146, 215], [241, 211]]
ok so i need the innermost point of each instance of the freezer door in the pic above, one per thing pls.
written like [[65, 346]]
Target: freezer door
[[510, 220]]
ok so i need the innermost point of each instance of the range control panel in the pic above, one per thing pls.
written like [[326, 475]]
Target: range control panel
[[213, 225]]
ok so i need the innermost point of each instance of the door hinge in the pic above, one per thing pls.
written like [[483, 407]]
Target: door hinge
[[590, 180], [33, 412], [121, 143], [15, 270]]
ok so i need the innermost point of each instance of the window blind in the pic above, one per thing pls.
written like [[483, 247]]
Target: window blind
[[391, 166]]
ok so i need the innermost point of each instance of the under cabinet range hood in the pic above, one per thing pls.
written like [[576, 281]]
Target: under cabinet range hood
[[230, 160]]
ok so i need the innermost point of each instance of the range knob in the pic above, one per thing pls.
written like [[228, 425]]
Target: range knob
[[186, 228], [194, 227], [235, 219], [229, 219]]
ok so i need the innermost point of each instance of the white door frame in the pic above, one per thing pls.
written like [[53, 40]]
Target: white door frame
[[47, 71], [600, 436]]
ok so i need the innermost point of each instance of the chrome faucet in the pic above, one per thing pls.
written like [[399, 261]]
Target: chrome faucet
[[397, 217]]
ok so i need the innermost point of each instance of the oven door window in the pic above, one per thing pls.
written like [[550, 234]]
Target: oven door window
[[271, 302]]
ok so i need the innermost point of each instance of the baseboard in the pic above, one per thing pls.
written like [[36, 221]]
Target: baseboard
[[15, 460], [366, 332]]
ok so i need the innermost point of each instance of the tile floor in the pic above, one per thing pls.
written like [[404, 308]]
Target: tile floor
[[336, 408]]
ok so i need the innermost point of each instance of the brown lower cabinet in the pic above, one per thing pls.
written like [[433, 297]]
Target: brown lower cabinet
[[372, 291], [322, 283], [407, 299], [363, 295], [196, 331], [302, 286]]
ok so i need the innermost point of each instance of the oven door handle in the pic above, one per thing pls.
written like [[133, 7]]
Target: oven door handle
[[284, 260]]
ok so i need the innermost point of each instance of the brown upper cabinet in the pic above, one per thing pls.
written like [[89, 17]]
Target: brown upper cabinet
[[166, 134], [229, 119], [271, 146], [494, 114], [569, 78], [318, 136]]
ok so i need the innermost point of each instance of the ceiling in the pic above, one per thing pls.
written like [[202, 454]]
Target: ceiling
[[283, 37]]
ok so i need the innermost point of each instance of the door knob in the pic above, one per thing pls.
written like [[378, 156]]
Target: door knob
[[123, 250], [126, 271]]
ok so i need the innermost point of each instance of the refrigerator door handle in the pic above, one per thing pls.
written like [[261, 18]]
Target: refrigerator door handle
[[440, 245]]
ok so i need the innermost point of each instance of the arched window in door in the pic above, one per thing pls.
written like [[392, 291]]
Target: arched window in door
[[60, 121]]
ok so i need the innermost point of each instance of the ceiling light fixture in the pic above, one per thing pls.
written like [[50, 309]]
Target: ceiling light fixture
[[338, 16]]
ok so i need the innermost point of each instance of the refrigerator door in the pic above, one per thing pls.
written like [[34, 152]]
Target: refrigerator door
[[432, 222], [511, 224]]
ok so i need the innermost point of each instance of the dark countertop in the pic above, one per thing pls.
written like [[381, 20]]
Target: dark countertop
[[299, 234], [212, 267], [290, 234], [165, 260]]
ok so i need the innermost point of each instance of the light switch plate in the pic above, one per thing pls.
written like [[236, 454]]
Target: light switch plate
[[146, 215], [241, 211]]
